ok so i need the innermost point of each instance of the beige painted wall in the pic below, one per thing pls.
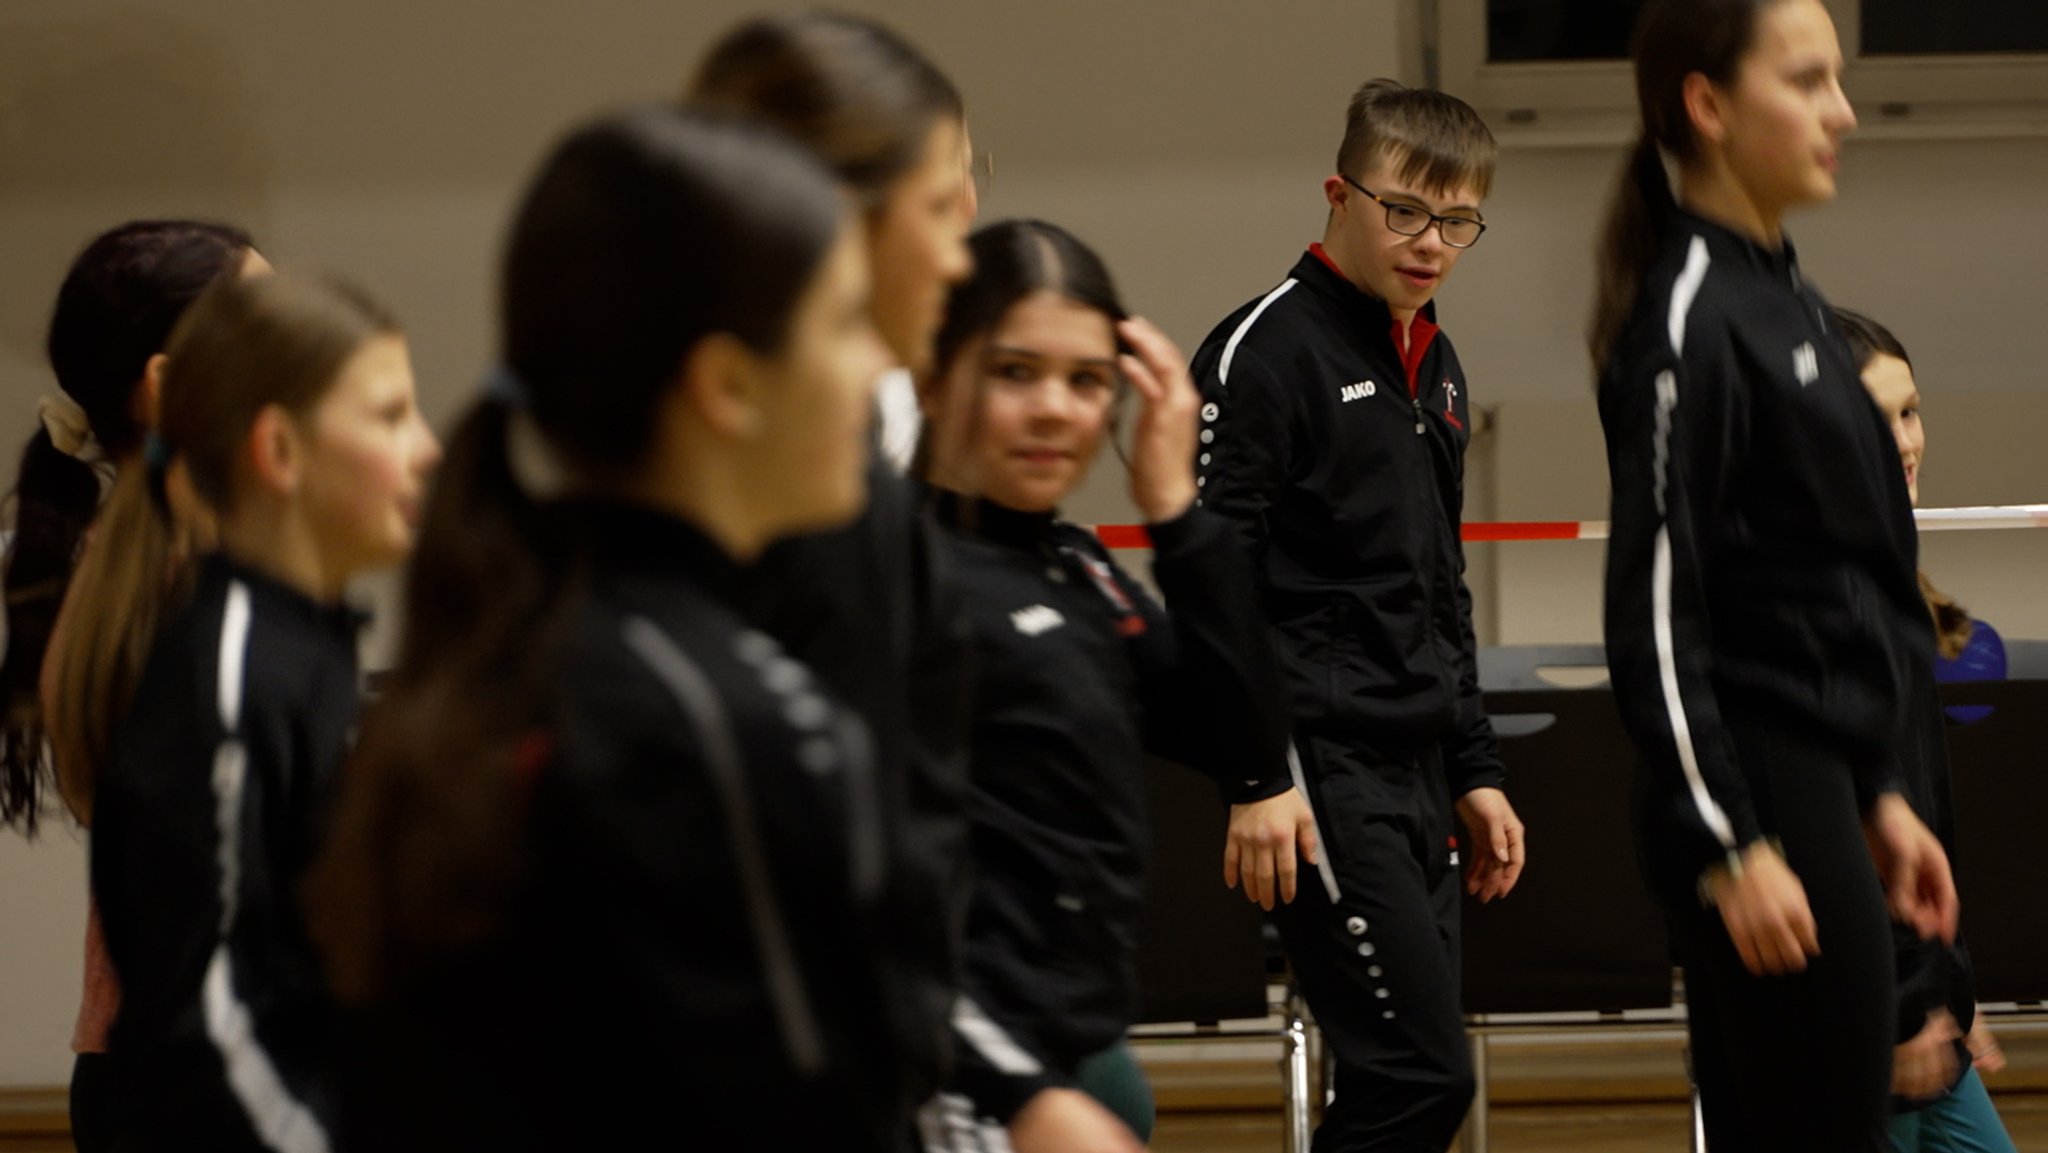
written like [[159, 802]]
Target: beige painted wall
[[385, 140]]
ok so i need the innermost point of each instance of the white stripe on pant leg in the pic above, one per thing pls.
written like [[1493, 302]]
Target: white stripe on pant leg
[[1323, 866]]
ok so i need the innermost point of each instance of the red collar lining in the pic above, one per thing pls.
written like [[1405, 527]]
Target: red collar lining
[[1412, 346]]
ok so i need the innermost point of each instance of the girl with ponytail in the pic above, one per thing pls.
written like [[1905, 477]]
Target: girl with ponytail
[[288, 407], [608, 859], [1765, 630], [114, 313]]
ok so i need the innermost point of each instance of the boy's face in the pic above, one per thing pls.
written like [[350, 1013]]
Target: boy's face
[[1404, 271]]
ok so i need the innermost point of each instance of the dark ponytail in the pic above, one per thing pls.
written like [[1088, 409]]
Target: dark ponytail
[[426, 846], [1674, 39], [1637, 216], [115, 310], [644, 234]]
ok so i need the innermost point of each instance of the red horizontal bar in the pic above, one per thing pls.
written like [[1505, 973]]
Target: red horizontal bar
[[1123, 536], [1523, 530], [1133, 535]]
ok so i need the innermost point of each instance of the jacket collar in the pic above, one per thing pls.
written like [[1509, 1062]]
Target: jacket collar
[[637, 538], [280, 598], [1732, 247], [984, 518]]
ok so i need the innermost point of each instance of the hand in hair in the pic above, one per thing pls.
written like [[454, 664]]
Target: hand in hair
[[1163, 442]]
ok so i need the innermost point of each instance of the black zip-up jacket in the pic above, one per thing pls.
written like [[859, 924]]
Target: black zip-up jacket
[[207, 811], [872, 609], [1763, 549], [1343, 466], [705, 863], [1082, 674]]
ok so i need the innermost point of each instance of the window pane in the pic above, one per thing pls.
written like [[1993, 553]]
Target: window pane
[[1528, 31], [1919, 27]]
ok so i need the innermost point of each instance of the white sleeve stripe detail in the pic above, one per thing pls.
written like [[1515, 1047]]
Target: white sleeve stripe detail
[[1323, 867], [1683, 293], [234, 654], [1230, 346], [1686, 290], [996, 1047], [281, 1120], [1667, 668]]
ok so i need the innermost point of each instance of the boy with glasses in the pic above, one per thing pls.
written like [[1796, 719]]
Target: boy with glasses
[[1334, 431]]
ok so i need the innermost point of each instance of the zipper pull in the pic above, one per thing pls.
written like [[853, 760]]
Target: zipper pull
[[1417, 402]]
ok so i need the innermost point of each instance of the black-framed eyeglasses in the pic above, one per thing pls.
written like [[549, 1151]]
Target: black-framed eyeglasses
[[1413, 220]]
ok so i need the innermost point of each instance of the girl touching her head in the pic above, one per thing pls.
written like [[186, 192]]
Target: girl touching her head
[[1080, 676]]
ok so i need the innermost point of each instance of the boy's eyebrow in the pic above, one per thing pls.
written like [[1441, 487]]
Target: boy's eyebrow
[[1423, 203]]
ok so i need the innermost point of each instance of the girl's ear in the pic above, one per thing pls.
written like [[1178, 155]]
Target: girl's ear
[[276, 450], [724, 382], [1707, 107], [147, 401]]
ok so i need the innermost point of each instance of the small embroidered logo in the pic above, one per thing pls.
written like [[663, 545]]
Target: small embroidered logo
[[1806, 364], [1451, 404], [1359, 391], [1037, 619]]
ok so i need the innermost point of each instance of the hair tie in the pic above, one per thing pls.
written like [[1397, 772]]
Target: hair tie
[[156, 451], [156, 463], [68, 428]]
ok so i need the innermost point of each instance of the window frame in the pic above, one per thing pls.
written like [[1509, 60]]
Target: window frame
[[1969, 95]]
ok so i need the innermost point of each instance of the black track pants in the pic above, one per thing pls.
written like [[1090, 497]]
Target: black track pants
[[1799, 1062], [1379, 965]]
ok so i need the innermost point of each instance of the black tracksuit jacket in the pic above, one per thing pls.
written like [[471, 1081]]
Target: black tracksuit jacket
[[1342, 466], [692, 955], [206, 813], [872, 609], [1763, 550], [1081, 675]]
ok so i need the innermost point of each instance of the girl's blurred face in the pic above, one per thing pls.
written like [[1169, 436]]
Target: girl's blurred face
[[368, 455], [1786, 114], [1020, 414], [1890, 382], [917, 242], [814, 446]]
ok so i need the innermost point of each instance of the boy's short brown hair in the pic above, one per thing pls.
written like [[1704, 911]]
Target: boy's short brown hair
[[1437, 139]]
